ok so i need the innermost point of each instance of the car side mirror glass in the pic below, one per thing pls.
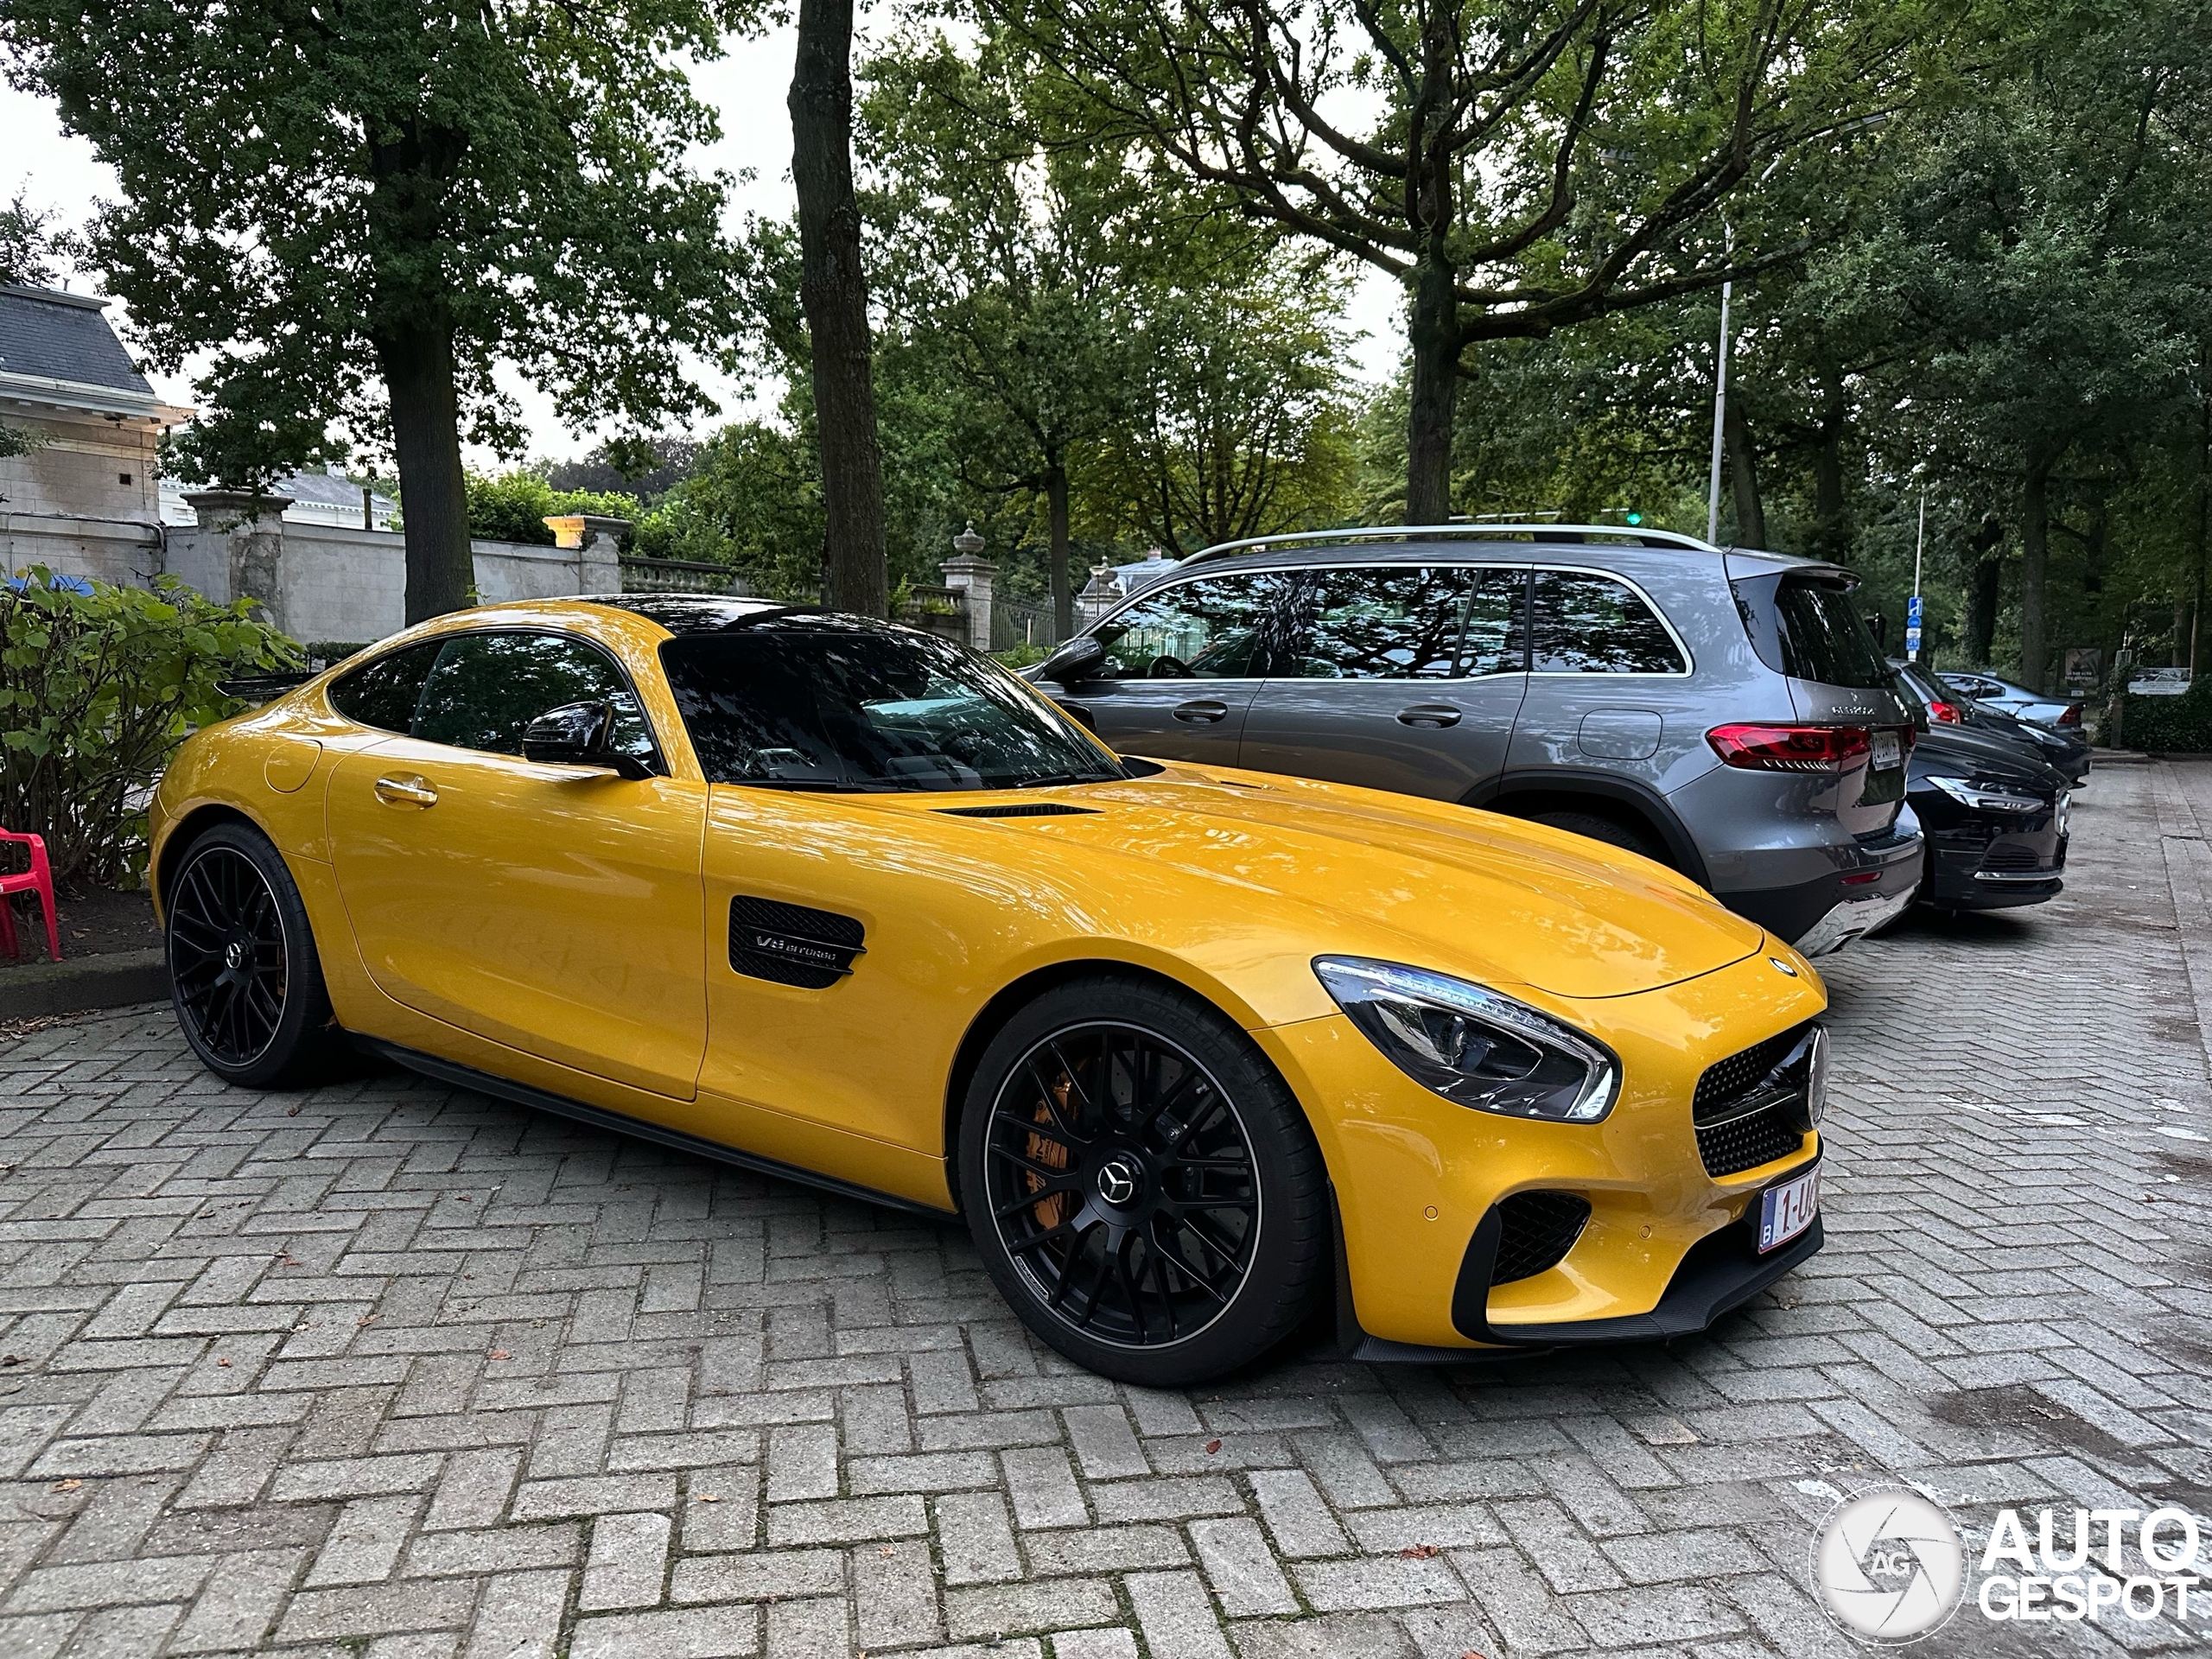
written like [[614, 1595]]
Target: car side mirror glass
[[579, 734], [1074, 662]]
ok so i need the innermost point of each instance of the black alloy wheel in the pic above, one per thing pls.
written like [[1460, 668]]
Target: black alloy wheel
[[243, 977], [1143, 1188]]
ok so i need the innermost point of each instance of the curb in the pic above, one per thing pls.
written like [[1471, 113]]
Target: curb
[[85, 983]]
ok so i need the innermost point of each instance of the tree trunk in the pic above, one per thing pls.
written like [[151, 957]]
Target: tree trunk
[[417, 367], [833, 292], [1055, 527], [2035, 569], [1744, 479], [2204, 527], [1985, 583], [1830, 540], [1434, 333]]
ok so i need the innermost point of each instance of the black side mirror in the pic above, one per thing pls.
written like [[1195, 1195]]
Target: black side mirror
[[580, 735], [1071, 663]]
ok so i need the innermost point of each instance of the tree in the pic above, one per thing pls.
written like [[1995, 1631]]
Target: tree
[[834, 292], [1240, 421], [1534, 164], [31, 256], [1003, 260], [358, 211]]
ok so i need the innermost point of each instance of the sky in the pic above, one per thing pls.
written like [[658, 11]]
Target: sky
[[60, 174]]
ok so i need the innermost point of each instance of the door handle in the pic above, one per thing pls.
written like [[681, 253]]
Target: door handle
[[406, 791], [1205, 712], [1429, 713]]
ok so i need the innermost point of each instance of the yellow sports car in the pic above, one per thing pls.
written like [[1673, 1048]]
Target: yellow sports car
[[1186, 1047]]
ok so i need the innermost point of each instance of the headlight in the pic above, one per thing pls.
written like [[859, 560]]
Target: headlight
[[1471, 1046], [1987, 798], [1815, 1050]]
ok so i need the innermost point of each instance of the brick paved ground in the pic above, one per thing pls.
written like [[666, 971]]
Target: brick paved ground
[[393, 1370]]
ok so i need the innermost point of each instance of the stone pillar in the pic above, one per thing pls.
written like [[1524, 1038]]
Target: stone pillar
[[597, 541], [241, 539], [968, 571]]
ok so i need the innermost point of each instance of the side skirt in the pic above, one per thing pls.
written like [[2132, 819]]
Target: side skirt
[[522, 1094]]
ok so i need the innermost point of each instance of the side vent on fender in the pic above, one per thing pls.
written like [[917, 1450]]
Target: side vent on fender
[[1019, 809], [791, 944]]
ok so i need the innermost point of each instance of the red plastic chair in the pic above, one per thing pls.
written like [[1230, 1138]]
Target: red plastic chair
[[39, 880]]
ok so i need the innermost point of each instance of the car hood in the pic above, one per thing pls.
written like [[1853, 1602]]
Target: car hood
[[1440, 886], [1948, 751]]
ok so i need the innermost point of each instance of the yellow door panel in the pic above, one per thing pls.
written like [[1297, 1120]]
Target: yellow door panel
[[556, 909], [869, 1052]]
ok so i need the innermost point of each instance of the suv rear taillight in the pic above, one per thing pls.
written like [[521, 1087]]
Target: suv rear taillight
[[1946, 714], [1789, 748], [2072, 716]]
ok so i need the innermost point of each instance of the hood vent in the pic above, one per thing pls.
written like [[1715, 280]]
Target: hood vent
[[1019, 809]]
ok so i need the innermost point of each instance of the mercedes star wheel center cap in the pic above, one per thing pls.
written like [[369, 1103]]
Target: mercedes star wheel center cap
[[234, 956], [1118, 1182]]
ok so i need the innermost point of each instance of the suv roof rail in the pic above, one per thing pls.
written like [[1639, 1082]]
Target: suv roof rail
[[1466, 532]]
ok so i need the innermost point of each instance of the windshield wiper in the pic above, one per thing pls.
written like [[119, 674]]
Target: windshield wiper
[[1051, 779], [819, 785]]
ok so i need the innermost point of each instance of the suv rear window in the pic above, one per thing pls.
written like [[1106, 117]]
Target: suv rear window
[[1808, 629]]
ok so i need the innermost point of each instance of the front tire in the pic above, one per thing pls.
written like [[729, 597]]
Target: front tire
[[244, 975], [1143, 1189]]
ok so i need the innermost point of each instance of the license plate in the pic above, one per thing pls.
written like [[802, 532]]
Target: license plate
[[1788, 1209], [1887, 751]]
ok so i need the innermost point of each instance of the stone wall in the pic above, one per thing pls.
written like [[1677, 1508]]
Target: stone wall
[[331, 582]]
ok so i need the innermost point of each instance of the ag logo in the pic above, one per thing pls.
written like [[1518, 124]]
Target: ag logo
[[1890, 1565]]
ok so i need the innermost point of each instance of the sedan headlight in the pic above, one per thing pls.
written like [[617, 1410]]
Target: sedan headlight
[[1471, 1046], [1987, 797]]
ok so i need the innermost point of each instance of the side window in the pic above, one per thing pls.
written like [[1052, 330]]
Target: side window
[[487, 688], [1242, 627], [1595, 625], [384, 693], [1385, 623]]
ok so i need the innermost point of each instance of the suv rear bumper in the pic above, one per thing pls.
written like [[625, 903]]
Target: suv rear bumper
[[1827, 912]]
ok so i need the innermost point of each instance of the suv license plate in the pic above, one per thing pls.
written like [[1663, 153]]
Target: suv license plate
[[1788, 1209], [1887, 751]]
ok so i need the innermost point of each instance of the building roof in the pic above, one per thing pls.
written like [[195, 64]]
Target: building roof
[[56, 336], [317, 496]]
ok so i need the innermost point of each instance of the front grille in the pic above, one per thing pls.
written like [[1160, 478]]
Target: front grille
[[1018, 810], [1536, 1230], [1756, 1138], [1725, 1082]]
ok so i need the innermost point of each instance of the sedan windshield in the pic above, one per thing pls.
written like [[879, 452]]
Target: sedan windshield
[[818, 702]]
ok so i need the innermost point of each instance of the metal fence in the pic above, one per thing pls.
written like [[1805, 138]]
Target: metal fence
[[1016, 622]]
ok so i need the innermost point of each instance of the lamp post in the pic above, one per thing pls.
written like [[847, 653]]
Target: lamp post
[[1720, 403]]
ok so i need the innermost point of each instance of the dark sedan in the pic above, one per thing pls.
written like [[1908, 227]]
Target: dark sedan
[[1995, 820], [2063, 747]]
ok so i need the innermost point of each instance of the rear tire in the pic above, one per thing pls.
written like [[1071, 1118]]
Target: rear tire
[[1145, 1192], [1611, 831], [244, 975]]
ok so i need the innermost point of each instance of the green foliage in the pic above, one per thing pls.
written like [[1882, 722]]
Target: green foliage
[[514, 506], [96, 691], [752, 501], [31, 255], [2180, 725]]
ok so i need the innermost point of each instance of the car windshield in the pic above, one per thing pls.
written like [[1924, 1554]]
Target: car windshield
[[831, 703]]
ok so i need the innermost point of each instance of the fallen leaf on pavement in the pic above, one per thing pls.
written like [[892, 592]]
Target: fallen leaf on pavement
[[65, 1486], [1420, 1552], [1212, 1447], [500, 1353]]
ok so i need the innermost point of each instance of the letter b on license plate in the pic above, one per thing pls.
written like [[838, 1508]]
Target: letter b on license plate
[[1788, 1209]]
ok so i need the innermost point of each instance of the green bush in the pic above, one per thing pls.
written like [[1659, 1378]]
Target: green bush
[[2180, 725], [98, 687], [514, 506]]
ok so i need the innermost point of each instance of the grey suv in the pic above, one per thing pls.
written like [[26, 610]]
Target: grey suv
[[1722, 711]]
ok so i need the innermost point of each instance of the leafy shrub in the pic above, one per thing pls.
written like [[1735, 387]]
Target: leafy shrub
[[2180, 725], [514, 506], [98, 686]]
